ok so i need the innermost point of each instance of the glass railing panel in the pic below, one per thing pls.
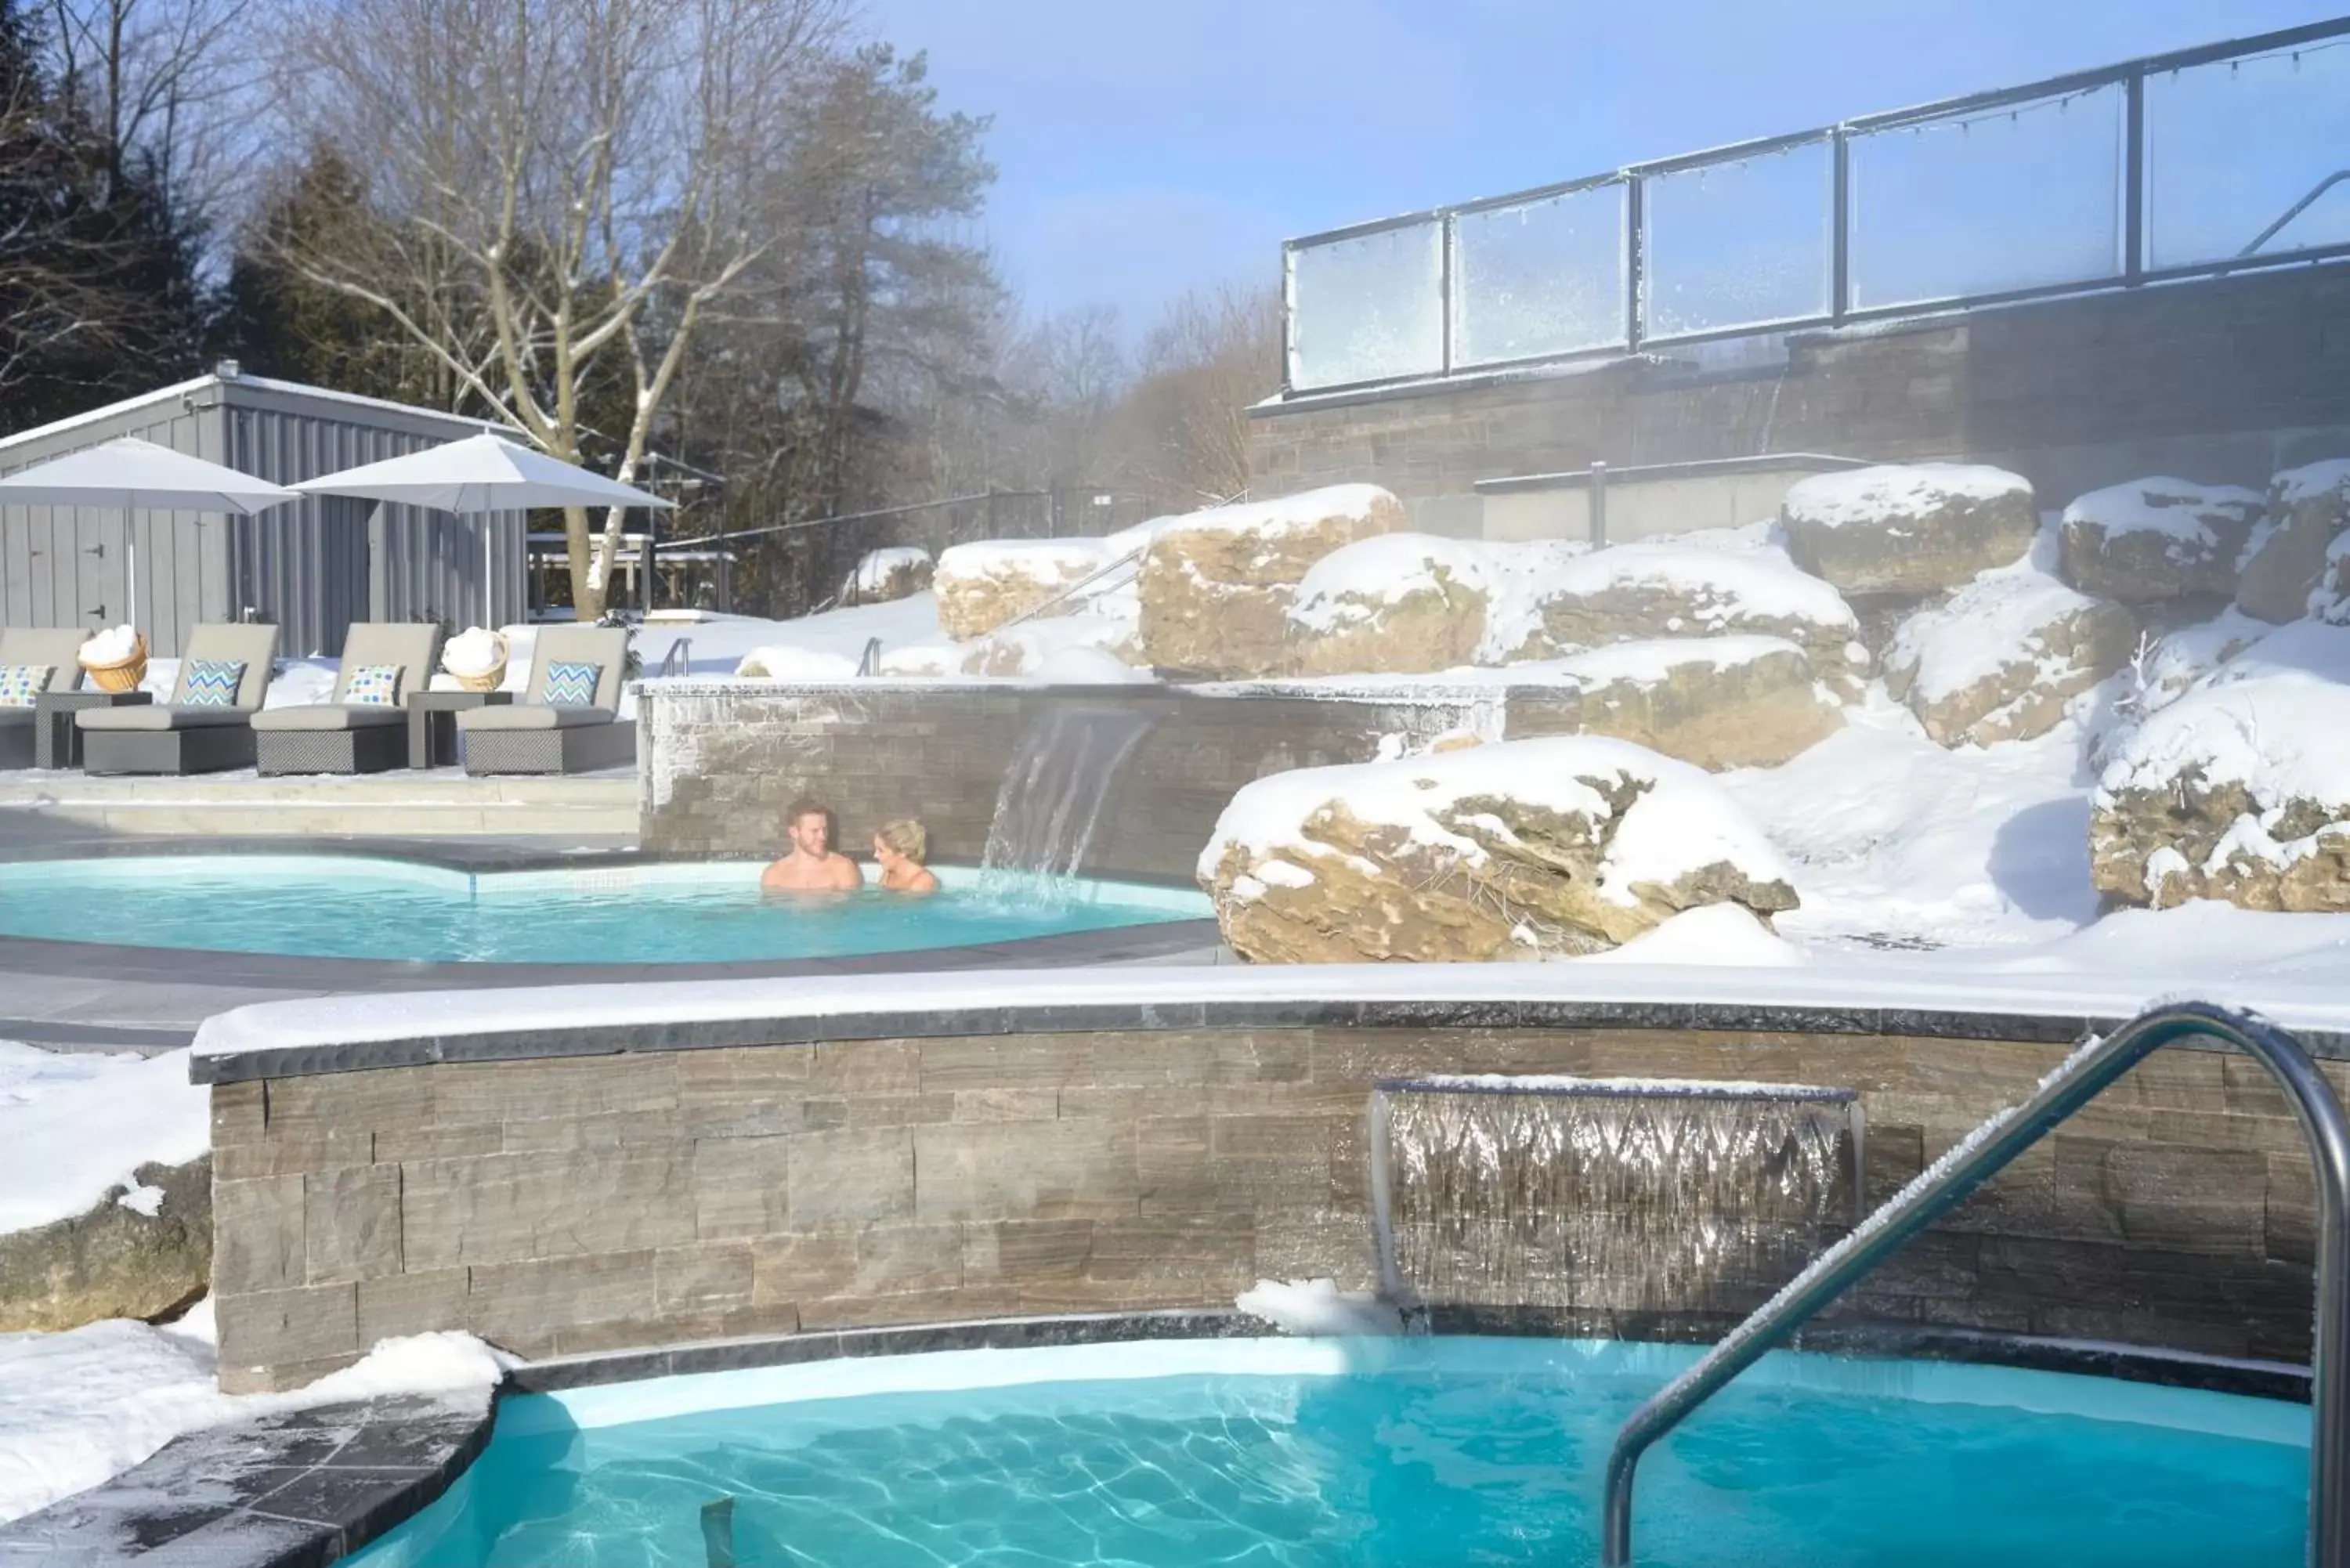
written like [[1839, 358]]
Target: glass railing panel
[[1989, 202], [2232, 146], [1368, 308], [1538, 277], [1742, 243]]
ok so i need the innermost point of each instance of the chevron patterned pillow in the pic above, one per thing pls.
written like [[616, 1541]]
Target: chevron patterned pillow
[[21, 685], [212, 684], [570, 685]]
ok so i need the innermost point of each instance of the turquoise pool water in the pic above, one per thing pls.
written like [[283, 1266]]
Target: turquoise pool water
[[343, 906], [1387, 1454]]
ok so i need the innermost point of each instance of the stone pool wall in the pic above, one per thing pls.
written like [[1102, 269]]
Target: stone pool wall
[[721, 762], [586, 1203]]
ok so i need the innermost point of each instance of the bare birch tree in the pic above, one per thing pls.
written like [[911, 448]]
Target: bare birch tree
[[561, 189]]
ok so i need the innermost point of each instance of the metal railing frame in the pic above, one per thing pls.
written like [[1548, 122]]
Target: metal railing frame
[[2130, 271], [2078, 1080]]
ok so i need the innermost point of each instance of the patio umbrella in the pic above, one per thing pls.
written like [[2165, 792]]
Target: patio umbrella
[[484, 473], [138, 475]]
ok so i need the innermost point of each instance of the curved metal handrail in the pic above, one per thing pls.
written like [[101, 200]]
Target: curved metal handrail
[[2295, 211], [2075, 1081]]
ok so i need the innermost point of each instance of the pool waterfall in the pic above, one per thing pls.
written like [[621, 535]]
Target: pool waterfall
[[1574, 1196], [1052, 795]]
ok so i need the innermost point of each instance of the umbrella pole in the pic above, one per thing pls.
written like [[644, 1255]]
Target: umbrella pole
[[131, 565]]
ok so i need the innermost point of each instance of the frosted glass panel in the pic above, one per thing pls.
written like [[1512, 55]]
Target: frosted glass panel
[[1541, 277], [1989, 202], [2231, 147], [1737, 244], [1368, 308]]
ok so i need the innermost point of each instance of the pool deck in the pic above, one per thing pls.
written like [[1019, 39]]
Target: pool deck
[[440, 802], [97, 996]]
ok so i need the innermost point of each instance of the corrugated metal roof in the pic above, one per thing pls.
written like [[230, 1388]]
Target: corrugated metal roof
[[458, 424]]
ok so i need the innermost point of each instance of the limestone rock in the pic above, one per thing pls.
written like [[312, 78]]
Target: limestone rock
[[2287, 555], [1636, 592], [1907, 529], [112, 1260], [2152, 540], [2240, 789], [1524, 850], [1391, 604], [2001, 659], [983, 586], [1216, 586], [1082, 647], [884, 577], [1717, 701]]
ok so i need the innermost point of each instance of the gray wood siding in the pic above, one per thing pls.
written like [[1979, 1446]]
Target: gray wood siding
[[311, 567]]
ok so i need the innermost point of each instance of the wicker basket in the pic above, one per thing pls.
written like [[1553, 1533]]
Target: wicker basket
[[124, 674], [489, 681]]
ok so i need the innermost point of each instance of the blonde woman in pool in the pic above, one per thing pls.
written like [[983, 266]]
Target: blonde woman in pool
[[898, 849]]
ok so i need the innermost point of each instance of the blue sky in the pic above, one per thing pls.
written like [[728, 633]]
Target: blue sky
[[1148, 146]]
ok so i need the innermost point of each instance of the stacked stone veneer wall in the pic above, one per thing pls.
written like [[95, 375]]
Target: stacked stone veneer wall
[[721, 764], [578, 1204], [2223, 380]]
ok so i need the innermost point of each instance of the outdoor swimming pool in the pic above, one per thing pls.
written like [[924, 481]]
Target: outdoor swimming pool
[[324, 906], [1418, 1453]]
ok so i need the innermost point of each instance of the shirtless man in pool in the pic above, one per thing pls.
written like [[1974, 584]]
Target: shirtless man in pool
[[813, 866]]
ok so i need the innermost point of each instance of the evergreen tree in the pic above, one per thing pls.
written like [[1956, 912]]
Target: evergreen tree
[[99, 291]]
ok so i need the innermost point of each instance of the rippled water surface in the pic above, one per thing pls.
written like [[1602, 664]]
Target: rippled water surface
[[347, 906], [1426, 1454]]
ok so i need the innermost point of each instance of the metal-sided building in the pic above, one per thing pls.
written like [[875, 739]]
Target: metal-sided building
[[311, 567]]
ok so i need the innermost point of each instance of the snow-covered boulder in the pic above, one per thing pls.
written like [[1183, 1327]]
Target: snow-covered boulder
[[1656, 590], [1391, 604], [884, 577], [2001, 659], [1717, 701], [1525, 849], [2240, 789], [2287, 556], [2152, 540], [1029, 648], [1216, 586], [1907, 529], [981, 585]]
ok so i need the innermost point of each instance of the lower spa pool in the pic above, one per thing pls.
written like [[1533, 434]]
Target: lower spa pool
[[324, 906], [1418, 1453]]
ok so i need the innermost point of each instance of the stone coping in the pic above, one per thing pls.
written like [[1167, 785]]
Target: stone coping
[[302, 1489], [670, 1012], [1438, 687], [299, 1489]]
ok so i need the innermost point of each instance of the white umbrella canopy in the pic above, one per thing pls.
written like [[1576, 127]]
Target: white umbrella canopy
[[136, 474], [486, 473]]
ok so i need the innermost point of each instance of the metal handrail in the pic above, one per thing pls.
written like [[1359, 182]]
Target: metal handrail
[[2295, 211], [1131, 558], [2076, 1081], [678, 661], [869, 663]]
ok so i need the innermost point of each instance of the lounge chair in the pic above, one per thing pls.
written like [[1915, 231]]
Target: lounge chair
[[53, 649], [537, 735], [206, 727], [358, 731]]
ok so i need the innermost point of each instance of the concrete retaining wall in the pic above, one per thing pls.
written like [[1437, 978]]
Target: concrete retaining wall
[[588, 1203], [2220, 381]]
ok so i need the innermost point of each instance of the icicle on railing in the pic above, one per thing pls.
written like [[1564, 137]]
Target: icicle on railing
[[1605, 1195]]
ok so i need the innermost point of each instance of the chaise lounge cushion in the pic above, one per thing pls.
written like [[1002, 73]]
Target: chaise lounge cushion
[[527, 716], [312, 717], [158, 718]]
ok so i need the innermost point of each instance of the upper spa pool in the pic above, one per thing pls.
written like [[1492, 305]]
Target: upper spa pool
[[1369, 1454], [321, 906]]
